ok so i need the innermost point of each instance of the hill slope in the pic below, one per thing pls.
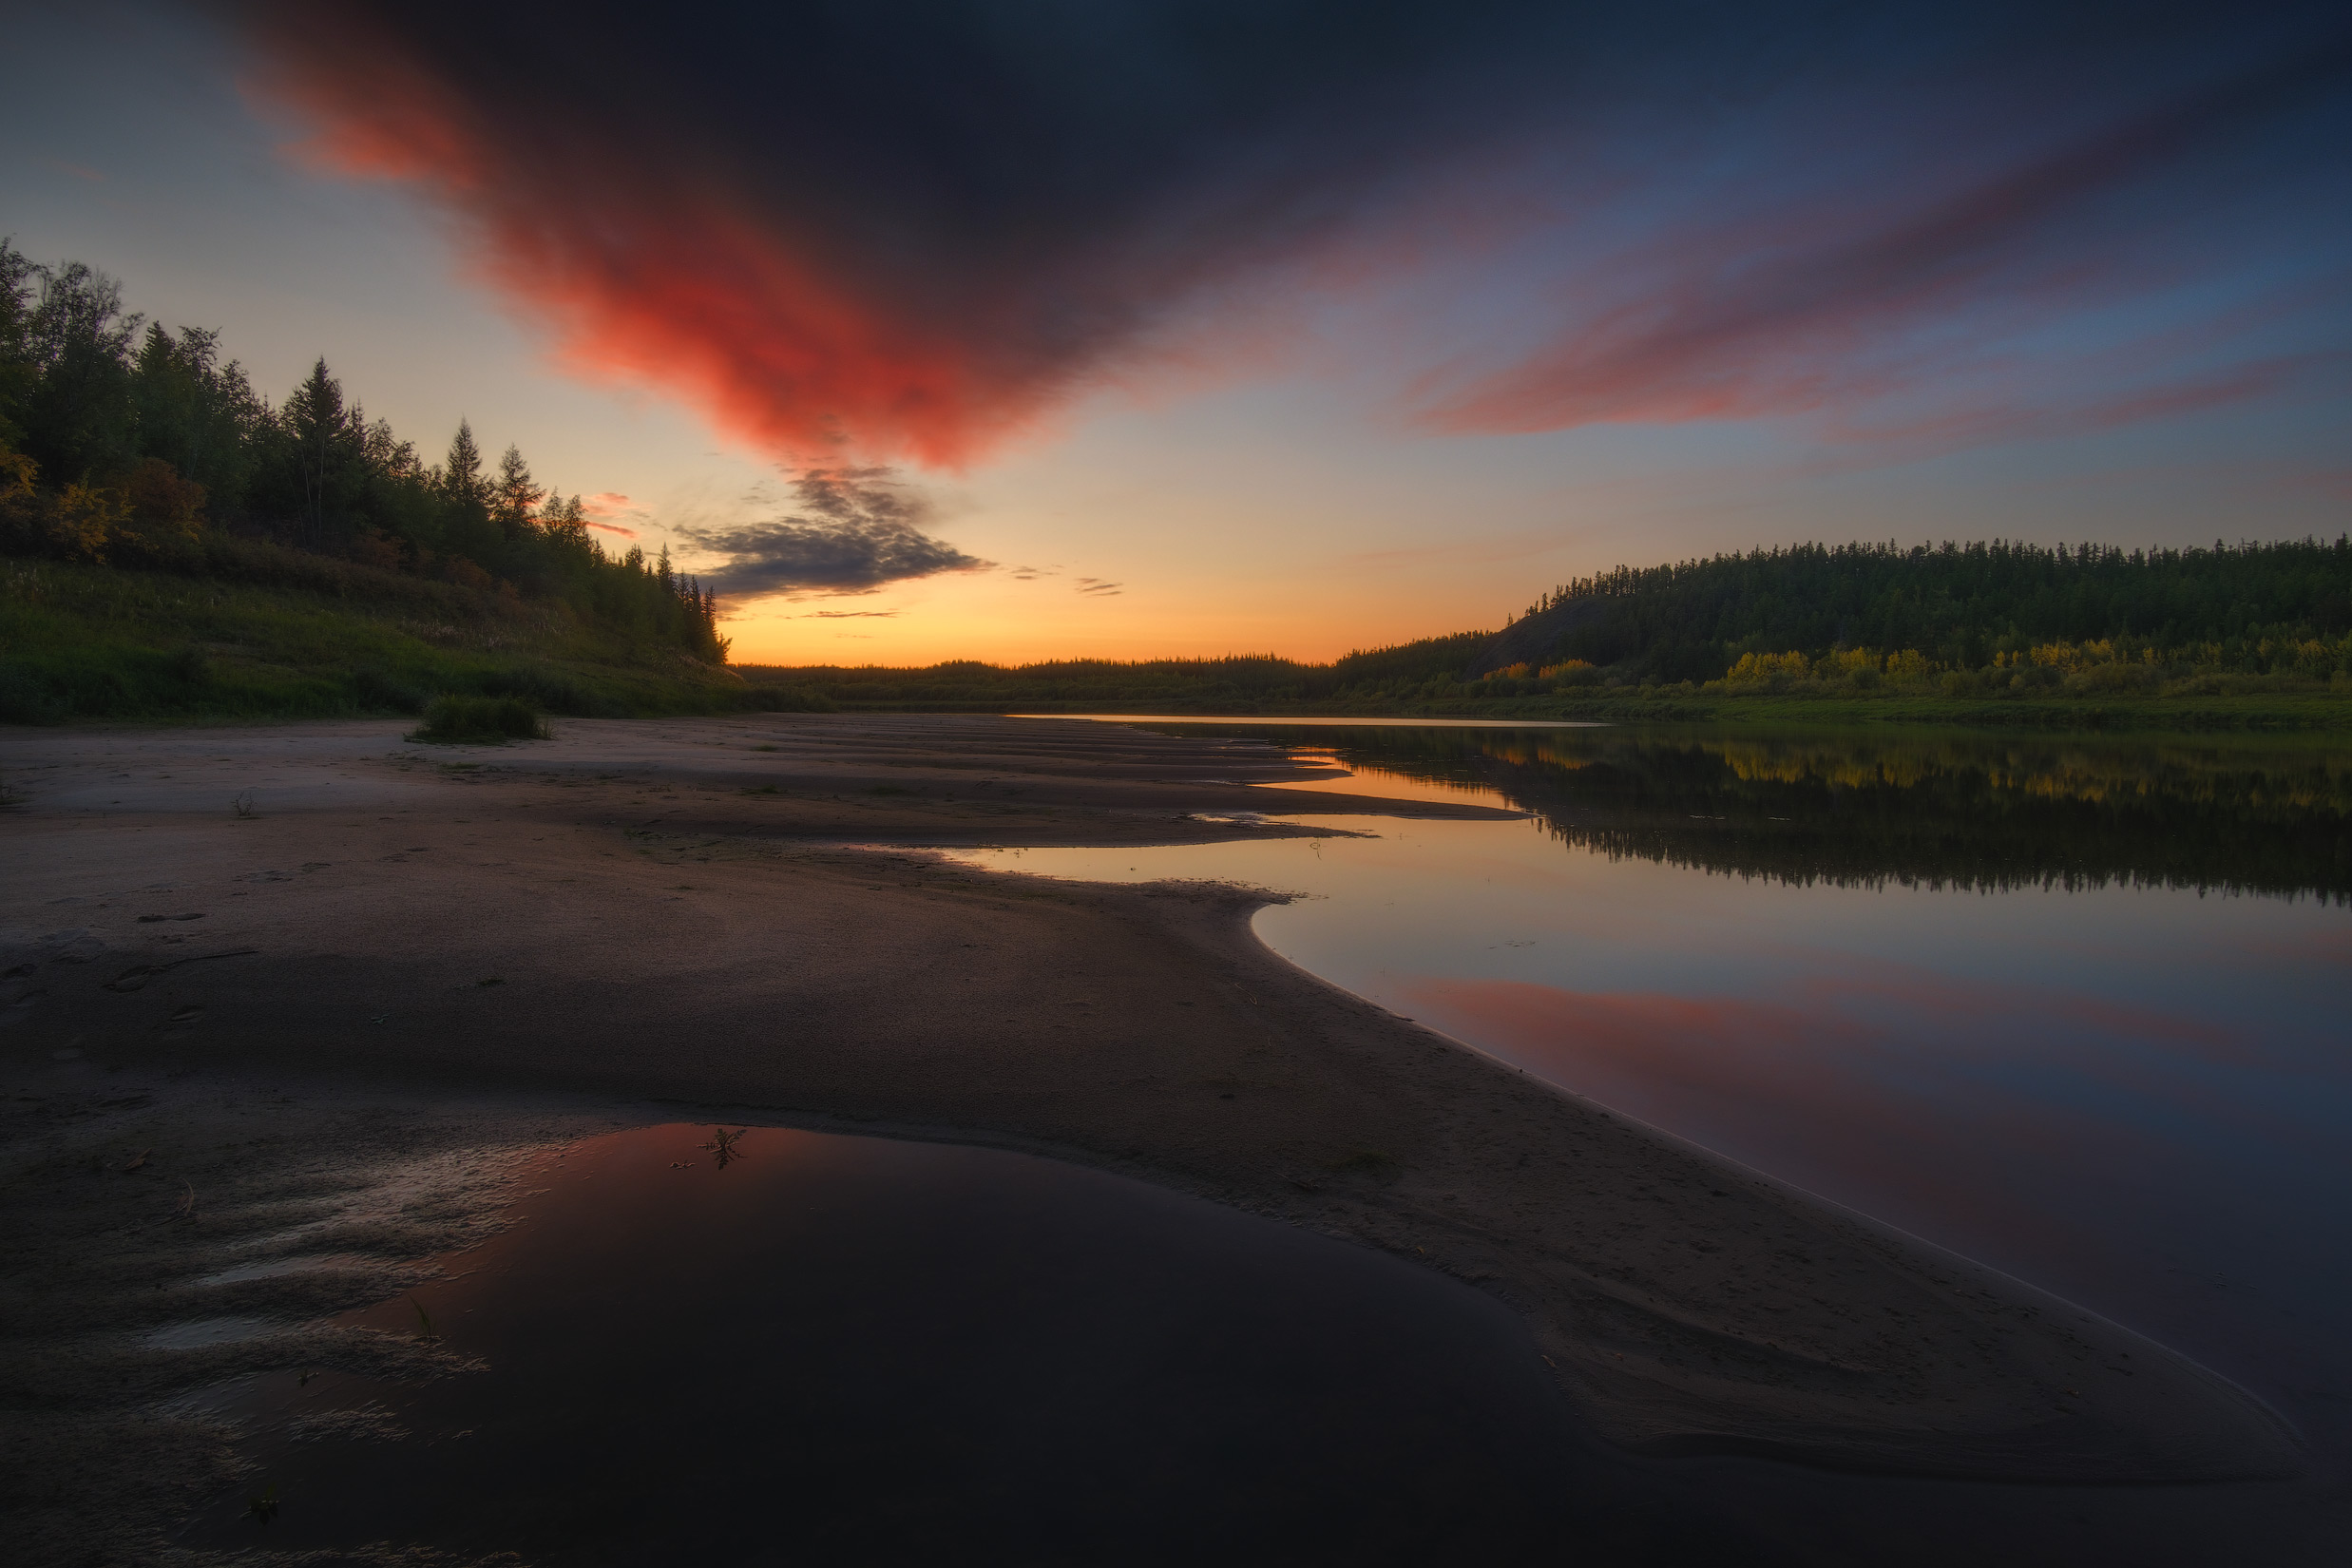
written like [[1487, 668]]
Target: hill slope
[[294, 634], [2249, 608]]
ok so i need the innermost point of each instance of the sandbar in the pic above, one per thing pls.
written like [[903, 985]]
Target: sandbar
[[738, 917]]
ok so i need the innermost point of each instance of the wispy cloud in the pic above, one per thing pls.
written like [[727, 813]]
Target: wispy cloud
[[1098, 586], [609, 512], [854, 531], [1838, 302]]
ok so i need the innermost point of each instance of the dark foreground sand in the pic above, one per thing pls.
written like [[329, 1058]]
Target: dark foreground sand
[[676, 911]]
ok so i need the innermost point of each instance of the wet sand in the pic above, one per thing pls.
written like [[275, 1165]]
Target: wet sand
[[675, 911]]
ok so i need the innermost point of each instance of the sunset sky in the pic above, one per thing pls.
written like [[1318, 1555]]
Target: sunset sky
[[1244, 325]]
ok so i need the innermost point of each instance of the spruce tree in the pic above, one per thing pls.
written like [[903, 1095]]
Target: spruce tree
[[461, 477], [320, 429], [514, 494]]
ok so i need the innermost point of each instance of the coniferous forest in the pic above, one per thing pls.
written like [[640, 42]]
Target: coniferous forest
[[133, 456]]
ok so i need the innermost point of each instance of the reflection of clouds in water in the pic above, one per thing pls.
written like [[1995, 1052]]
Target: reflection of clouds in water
[[1840, 1105], [2035, 1127], [2110, 1092]]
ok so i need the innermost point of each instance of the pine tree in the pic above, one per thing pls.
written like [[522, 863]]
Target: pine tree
[[198, 414], [322, 433], [461, 477], [514, 494], [565, 517]]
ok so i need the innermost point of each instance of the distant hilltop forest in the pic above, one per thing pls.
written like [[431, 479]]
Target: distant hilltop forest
[[1975, 618], [175, 543], [2015, 631]]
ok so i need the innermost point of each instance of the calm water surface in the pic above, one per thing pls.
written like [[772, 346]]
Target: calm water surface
[[2077, 1009], [859, 1351]]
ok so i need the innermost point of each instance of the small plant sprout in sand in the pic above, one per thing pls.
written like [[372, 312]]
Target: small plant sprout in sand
[[262, 1507], [242, 806], [722, 1145], [425, 1331]]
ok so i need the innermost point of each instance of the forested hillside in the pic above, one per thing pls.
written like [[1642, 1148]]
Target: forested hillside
[[2023, 632], [2250, 607], [1973, 620], [129, 451]]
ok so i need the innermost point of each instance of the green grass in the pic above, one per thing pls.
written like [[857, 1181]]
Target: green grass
[[1269, 687], [2274, 710], [88, 641], [2203, 702], [477, 720]]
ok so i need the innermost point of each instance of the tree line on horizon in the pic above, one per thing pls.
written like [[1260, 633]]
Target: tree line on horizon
[[125, 443], [1974, 621], [2254, 608]]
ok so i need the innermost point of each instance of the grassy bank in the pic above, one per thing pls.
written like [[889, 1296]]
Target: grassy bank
[[83, 640], [1271, 688], [2276, 710]]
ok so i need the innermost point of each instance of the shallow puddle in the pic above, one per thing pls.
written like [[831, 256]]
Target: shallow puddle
[[857, 1349]]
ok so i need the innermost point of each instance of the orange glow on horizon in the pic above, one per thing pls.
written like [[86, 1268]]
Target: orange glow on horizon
[[1006, 624]]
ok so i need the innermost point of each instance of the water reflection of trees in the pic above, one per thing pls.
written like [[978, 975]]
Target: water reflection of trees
[[1945, 811]]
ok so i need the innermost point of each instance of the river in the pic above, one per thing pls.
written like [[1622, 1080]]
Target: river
[[2074, 1006]]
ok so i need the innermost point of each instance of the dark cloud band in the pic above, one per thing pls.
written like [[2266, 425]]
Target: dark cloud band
[[917, 227]]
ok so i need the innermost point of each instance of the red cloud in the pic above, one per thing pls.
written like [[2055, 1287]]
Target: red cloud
[[651, 275], [845, 237]]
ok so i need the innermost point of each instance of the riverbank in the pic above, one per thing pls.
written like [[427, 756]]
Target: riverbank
[[2271, 715], [674, 910], [2213, 702], [246, 631]]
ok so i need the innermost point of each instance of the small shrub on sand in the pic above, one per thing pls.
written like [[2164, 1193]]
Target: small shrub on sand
[[460, 720]]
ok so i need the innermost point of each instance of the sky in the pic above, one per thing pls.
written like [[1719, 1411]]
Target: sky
[[1102, 327]]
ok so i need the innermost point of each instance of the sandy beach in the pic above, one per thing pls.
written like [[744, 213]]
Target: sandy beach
[[208, 934]]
